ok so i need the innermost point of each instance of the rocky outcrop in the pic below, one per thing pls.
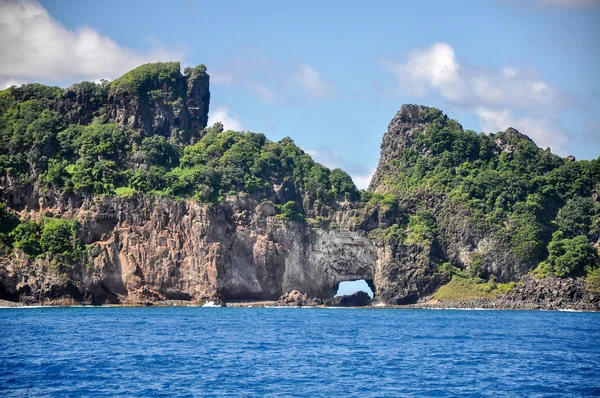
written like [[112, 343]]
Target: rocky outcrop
[[550, 293], [408, 120], [296, 298], [177, 108], [358, 299], [532, 293]]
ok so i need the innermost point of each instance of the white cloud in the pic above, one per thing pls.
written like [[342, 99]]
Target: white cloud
[[432, 69], [570, 3], [363, 181], [222, 114], [494, 96], [332, 158], [36, 47], [436, 69], [313, 83], [544, 130]]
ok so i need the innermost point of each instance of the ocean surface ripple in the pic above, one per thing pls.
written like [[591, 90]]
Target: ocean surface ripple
[[236, 352]]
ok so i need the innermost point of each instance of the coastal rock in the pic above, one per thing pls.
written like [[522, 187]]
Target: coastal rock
[[357, 299], [550, 293], [296, 298]]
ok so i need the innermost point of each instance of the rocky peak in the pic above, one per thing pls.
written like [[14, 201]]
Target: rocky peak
[[410, 113], [158, 99], [408, 120], [151, 99]]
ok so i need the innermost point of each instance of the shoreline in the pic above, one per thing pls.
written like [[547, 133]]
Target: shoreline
[[471, 305]]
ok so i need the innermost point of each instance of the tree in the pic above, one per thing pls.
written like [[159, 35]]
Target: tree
[[569, 257], [342, 185], [575, 218], [158, 151], [59, 236], [26, 236], [8, 222]]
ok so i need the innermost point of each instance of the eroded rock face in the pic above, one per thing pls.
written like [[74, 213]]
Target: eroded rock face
[[408, 120], [550, 293], [184, 250], [175, 108], [144, 249], [178, 109]]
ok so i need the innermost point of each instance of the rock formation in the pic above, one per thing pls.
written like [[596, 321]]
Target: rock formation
[[148, 248]]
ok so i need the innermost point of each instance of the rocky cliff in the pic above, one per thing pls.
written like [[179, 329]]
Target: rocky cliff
[[184, 250], [428, 216], [152, 99]]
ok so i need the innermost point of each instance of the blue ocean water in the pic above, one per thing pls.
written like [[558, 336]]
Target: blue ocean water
[[236, 352]]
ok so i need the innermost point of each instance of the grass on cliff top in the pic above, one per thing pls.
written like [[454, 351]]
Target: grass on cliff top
[[125, 192], [461, 288], [159, 72]]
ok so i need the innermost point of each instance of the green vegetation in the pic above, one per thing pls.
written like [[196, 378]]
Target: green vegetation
[[39, 147], [147, 77], [593, 281], [464, 288], [511, 189], [537, 204], [57, 237], [569, 257], [8, 222], [199, 70], [26, 236], [421, 229], [288, 211], [227, 162]]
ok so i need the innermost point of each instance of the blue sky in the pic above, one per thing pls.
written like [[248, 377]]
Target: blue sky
[[332, 74]]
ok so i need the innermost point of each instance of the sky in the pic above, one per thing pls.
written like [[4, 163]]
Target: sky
[[332, 74]]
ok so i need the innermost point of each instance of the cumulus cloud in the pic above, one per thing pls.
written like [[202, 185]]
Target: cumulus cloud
[[542, 130], [313, 83], [36, 47], [437, 69], [222, 114], [332, 158], [495, 96]]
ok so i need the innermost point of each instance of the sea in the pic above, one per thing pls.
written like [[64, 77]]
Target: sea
[[297, 352]]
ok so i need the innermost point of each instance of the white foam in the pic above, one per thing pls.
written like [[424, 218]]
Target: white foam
[[210, 304]]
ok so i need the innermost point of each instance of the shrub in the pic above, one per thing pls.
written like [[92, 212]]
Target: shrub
[[593, 281], [569, 257], [26, 236], [288, 211], [58, 236], [8, 222]]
